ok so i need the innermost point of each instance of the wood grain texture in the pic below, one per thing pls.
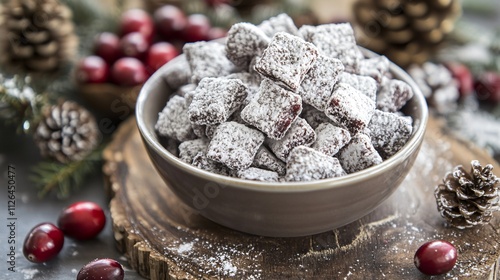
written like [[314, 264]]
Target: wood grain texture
[[163, 238]]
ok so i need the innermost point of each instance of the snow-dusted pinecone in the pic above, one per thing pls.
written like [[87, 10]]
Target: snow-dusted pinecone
[[466, 199], [67, 132]]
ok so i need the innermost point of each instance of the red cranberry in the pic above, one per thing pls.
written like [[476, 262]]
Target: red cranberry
[[487, 87], [435, 257], [91, 70], [107, 46], [82, 220], [159, 54], [463, 76], [43, 243], [197, 28], [129, 71], [170, 21], [137, 20], [98, 269], [134, 45], [216, 33]]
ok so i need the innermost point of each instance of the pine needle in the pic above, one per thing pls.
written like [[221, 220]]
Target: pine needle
[[61, 179]]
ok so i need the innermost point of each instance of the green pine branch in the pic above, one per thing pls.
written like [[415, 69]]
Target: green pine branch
[[20, 105], [62, 179]]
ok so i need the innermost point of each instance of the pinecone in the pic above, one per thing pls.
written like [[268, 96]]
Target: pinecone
[[37, 36], [468, 199], [438, 86], [67, 132], [405, 31]]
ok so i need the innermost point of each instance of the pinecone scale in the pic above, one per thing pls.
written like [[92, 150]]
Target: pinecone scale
[[466, 199], [405, 31]]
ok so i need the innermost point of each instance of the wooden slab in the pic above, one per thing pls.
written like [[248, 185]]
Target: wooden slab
[[163, 238]]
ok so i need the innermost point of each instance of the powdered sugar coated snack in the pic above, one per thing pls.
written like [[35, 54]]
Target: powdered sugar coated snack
[[274, 103]]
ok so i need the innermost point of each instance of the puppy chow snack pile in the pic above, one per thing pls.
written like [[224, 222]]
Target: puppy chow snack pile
[[276, 103]]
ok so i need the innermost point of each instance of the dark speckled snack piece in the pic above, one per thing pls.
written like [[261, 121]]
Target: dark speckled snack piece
[[307, 164], [358, 154], [317, 86], [267, 160], [189, 149], [315, 117], [349, 108], [201, 161], [244, 41], [234, 145], [207, 59], [393, 95], [273, 110], [173, 121], [300, 134], [335, 40], [286, 60], [330, 139], [279, 23], [389, 132], [257, 174], [366, 85], [375, 67], [215, 99]]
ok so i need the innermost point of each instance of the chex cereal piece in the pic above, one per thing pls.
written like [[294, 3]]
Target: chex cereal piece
[[249, 81], [286, 60], [189, 149], [199, 130], [300, 134], [315, 117], [256, 76], [178, 74], [334, 40], [349, 108], [267, 160], [393, 95], [185, 89], [317, 86], [375, 67], [234, 145], [207, 59], [210, 129], [273, 110], [201, 161], [215, 99], [358, 154], [330, 139], [244, 41], [389, 132], [257, 174], [366, 85], [279, 23], [307, 164], [173, 120]]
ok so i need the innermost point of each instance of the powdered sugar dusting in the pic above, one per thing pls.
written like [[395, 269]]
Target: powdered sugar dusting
[[216, 259], [29, 273]]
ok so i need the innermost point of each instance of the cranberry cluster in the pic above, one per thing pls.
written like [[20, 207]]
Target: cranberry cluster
[[82, 221], [143, 44]]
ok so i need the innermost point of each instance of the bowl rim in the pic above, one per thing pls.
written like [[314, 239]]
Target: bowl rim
[[150, 138]]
